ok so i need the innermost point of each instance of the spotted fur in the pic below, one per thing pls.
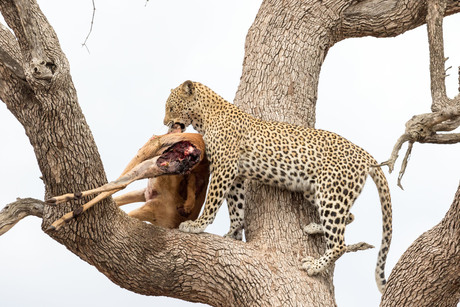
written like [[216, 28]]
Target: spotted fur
[[328, 169]]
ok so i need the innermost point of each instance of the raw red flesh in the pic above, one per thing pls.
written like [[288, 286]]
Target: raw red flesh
[[179, 158]]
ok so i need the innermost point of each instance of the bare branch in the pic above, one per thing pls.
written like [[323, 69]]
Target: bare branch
[[90, 28], [394, 154], [451, 138], [12, 213], [404, 164], [370, 17], [448, 125], [434, 18], [424, 125], [423, 128]]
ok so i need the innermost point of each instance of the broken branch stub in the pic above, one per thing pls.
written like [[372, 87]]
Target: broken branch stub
[[12, 213], [404, 164]]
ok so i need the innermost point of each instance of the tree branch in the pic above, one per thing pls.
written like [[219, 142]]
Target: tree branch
[[12, 213], [404, 164], [434, 17], [431, 264], [371, 17], [450, 138], [423, 128], [14, 87], [90, 27], [448, 125], [10, 55], [42, 57], [395, 153]]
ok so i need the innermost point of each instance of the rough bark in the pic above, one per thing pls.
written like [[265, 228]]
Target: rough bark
[[428, 272], [284, 51], [16, 211]]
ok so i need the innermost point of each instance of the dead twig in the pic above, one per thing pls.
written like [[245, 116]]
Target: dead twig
[[404, 164], [90, 28], [394, 154], [423, 128]]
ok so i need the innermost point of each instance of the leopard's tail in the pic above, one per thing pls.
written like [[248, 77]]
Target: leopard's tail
[[378, 176]]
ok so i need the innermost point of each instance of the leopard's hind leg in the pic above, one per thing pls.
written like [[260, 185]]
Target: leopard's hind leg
[[333, 206]]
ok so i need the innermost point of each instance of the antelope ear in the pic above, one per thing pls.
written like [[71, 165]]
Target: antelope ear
[[188, 88]]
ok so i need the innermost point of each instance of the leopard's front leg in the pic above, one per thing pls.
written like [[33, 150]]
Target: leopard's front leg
[[221, 180], [235, 203]]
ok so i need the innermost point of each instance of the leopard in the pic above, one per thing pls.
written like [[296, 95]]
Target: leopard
[[327, 169]]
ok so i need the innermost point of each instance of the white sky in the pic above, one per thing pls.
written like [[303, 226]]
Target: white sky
[[368, 89]]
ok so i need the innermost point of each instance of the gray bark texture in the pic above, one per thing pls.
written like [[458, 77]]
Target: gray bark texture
[[428, 273], [285, 49]]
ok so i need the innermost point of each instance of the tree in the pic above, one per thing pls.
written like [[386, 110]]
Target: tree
[[272, 250]]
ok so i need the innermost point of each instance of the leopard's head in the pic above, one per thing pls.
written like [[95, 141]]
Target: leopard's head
[[180, 105]]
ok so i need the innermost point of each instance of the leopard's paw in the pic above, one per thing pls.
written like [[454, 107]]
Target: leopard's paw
[[309, 264], [313, 229], [192, 226], [236, 234]]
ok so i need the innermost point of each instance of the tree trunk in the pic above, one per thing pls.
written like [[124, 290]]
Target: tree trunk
[[285, 49], [428, 273]]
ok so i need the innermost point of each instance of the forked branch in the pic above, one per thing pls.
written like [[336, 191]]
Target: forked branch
[[42, 59], [445, 114]]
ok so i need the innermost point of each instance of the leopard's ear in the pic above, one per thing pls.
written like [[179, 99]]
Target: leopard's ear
[[188, 88]]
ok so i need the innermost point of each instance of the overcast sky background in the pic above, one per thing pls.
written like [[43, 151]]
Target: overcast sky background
[[368, 89]]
